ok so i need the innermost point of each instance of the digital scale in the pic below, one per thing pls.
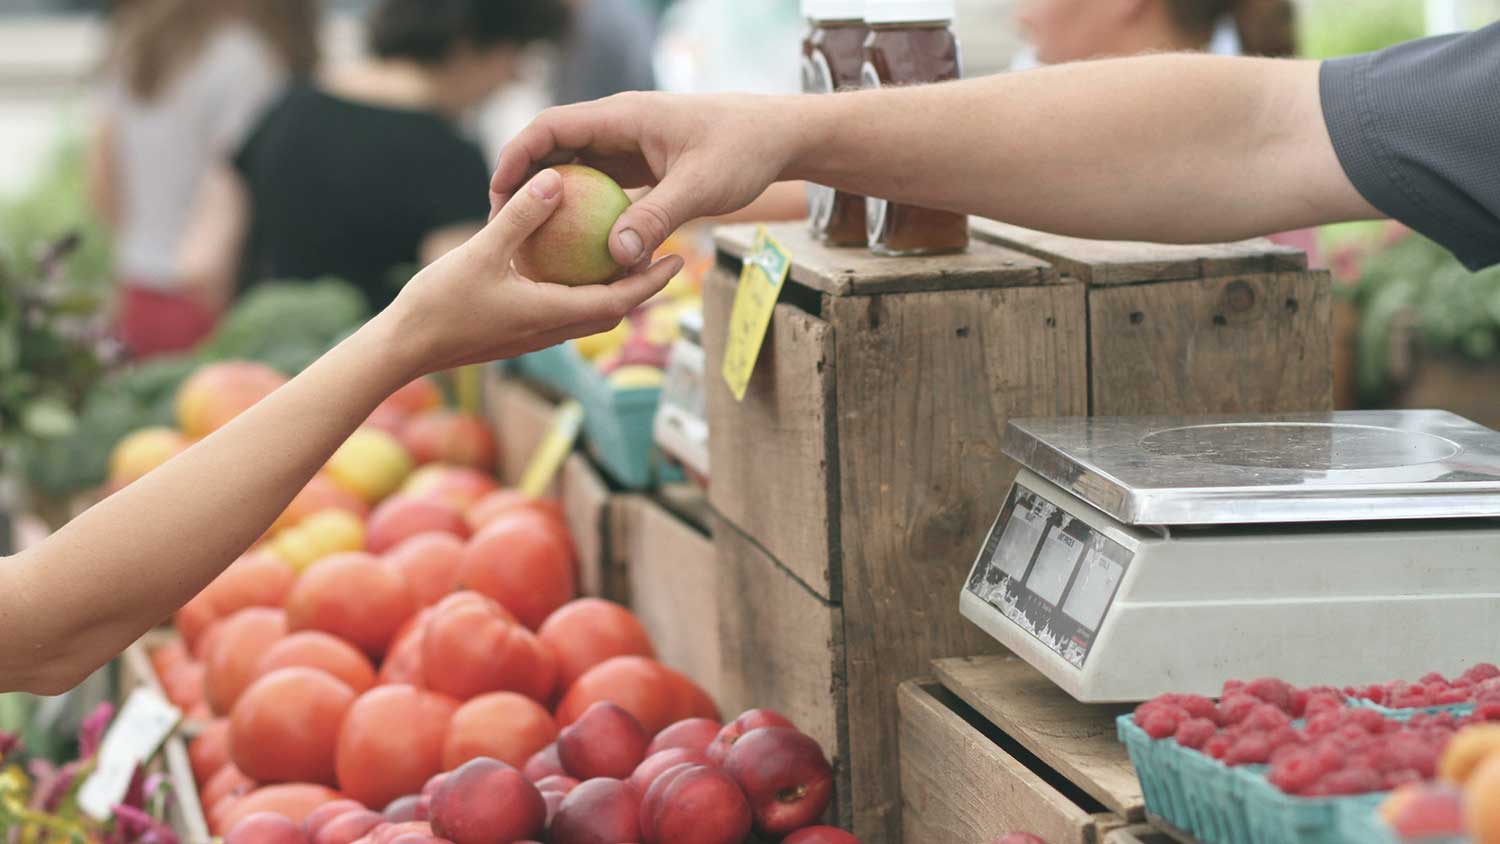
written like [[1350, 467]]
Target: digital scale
[[1137, 556]]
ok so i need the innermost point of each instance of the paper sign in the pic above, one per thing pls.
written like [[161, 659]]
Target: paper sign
[[765, 270], [138, 731], [553, 450]]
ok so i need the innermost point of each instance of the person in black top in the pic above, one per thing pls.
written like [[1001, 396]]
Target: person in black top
[[364, 175]]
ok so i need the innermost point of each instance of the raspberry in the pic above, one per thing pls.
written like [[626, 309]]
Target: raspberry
[[1434, 690], [1218, 745], [1162, 722], [1323, 723], [1486, 713], [1284, 737], [1452, 696], [1195, 732], [1410, 700], [1232, 687], [1322, 702], [1297, 772], [1198, 706], [1408, 751], [1481, 672], [1266, 717], [1393, 780], [1432, 677], [1348, 781], [1273, 691], [1249, 750], [1368, 720], [1236, 708], [1374, 694]]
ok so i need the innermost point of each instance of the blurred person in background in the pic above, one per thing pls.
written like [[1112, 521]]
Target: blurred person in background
[[184, 82], [607, 50], [1061, 31], [365, 174]]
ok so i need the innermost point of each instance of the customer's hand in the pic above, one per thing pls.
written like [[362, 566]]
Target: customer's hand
[[701, 155], [472, 306]]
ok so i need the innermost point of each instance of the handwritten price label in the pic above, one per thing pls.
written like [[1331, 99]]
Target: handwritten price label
[[765, 270]]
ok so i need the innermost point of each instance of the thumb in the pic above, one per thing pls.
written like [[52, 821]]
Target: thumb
[[524, 212], [646, 224]]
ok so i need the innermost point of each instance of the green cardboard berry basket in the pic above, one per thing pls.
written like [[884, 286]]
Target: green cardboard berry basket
[[1457, 710], [1364, 824]]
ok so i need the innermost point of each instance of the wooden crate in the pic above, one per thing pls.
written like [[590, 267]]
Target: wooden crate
[[184, 812], [991, 747], [520, 417], [671, 583], [863, 467]]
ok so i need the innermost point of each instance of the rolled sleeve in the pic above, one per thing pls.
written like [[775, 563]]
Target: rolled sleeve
[[1417, 129]]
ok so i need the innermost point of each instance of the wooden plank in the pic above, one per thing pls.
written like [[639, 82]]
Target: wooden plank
[[1107, 262], [1076, 739], [1138, 834], [520, 417], [926, 383], [585, 503], [688, 502], [772, 476], [781, 647], [672, 571], [1241, 344], [858, 272], [959, 787]]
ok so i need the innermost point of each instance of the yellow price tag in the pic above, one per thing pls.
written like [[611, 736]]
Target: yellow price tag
[[765, 270], [553, 450]]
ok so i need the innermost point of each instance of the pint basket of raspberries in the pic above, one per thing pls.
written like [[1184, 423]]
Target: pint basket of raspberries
[[1268, 762]]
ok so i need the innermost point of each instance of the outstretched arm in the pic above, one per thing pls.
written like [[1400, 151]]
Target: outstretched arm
[[1167, 148], [73, 602]]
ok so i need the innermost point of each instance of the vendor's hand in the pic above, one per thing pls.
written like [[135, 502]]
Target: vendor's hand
[[700, 155], [471, 306]]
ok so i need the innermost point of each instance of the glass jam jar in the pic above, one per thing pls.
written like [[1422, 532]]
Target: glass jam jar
[[833, 58], [911, 42]]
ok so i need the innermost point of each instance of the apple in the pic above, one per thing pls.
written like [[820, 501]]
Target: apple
[[606, 741], [749, 720], [572, 246], [694, 803], [785, 776]]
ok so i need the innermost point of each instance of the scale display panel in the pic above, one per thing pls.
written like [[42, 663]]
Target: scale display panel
[[1050, 573]]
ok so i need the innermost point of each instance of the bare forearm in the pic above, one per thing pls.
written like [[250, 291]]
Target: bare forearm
[[1174, 148], [130, 561]]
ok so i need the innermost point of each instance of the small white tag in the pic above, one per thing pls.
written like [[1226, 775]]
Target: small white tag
[[138, 731]]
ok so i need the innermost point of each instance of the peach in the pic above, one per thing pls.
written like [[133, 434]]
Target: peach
[[748, 720], [371, 464], [829, 835], [317, 538], [544, 763], [429, 563], [1422, 811], [472, 646], [487, 801], [662, 761], [348, 827], [1466, 750], [784, 775], [266, 828], [400, 518], [691, 733], [572, 246], [217, 393], [1481, 797], [448, 436], [606, 741], [141, 452], [433, 783], [501, 725], [460, 486], [599, 810], [327, 812], [557, 782], [698, 803]]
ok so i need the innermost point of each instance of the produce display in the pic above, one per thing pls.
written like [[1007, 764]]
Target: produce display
[[1432, 747], [404, 657]]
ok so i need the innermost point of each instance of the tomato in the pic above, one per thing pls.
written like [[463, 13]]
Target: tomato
[[500, 725], [235, 650], [472, 646], [524, 562], [316, 649], [353, 596], [496, 504], [294, 801], [429, 563], [638, 685], [209, 751], [257, 579], [586, 632], [402, 517], [391, 742], [228, 782]]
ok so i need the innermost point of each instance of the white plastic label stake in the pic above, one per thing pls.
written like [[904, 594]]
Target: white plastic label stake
[[138, 731]]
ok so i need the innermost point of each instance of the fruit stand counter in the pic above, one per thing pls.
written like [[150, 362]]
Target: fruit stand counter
[[853, 484]]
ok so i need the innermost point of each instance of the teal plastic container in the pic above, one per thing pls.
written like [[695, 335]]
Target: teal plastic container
[[1457, 710], [618, 424]]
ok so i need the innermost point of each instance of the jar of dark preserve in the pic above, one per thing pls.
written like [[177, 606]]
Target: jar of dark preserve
[[833, 58], [911, 42]]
